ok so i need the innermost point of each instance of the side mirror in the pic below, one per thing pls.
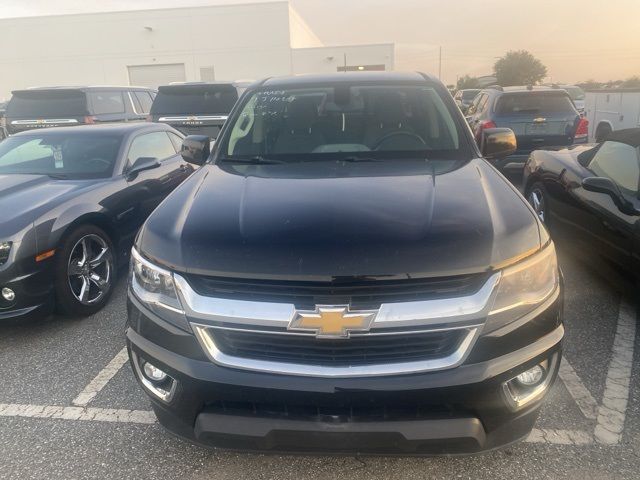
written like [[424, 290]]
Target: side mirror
[[143, 163], [498, 143], [608, 187], [196, 149]]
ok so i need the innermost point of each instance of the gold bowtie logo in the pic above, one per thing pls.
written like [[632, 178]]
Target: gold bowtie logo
[[332, 321]]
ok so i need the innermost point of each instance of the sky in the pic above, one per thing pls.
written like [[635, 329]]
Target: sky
[[576, 39]]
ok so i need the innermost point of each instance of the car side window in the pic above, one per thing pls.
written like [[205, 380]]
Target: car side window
[[145, 101], [155, 145], [620, 163], [176, 140], [473, 108], [482, 103], [107, 102]]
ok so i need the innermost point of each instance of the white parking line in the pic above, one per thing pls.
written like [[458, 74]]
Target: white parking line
[[101, 380], [77, 413], [581, 395], [612, 411]]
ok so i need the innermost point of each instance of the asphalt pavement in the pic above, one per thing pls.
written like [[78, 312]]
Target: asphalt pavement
[[70, 408]]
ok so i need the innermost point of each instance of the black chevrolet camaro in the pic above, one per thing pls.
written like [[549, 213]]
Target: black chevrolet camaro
[[71, 202], [590, 195]]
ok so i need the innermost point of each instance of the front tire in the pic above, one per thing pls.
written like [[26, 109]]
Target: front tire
[[85, 271], [537, 198]]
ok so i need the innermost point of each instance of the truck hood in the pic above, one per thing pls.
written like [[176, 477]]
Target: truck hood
[[319, 222], [24, 198]]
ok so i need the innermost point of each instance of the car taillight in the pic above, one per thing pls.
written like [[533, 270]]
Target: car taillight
[[89, 119], [483, 126], [583, 129]]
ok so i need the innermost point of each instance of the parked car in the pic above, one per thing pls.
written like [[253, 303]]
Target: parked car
[[589, 194], [71, 106], [541, 117], [577, 96], [196, 108], [346, 273], [464, 97], [612, 109], [72, 199]]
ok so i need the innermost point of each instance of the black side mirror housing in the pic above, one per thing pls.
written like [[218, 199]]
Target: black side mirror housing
[[196, 149], [608, 187], [498, 143], [143, 163]]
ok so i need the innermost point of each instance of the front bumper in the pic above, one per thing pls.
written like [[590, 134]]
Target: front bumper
[[460, 410], [34, 293]]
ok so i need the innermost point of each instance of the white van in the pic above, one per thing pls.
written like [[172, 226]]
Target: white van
[[612, 109]]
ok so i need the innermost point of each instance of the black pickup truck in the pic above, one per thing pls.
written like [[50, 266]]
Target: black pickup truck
[[346, 273]]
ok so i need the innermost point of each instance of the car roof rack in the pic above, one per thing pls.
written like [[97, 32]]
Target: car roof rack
[[495, 87]]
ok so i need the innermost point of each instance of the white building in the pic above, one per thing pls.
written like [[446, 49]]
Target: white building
[[154, 47]]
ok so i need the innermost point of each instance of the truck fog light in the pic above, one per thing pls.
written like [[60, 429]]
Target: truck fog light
[[8, 294], [154, 373], [531, 377], [531, 385]]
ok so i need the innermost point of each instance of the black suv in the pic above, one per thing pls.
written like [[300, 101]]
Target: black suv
[[540, 117], [346, 273], [70, 106], [196, 108]]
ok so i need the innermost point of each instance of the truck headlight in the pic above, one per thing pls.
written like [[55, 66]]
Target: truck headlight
[[154, 286], [523, 287], [5, 249]]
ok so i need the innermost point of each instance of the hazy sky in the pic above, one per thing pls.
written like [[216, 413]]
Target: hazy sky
[[576, 39]]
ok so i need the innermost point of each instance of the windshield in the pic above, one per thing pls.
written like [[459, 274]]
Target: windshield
[[60, 155], [49, 103], [194, 99], [576, 93], [321, 122], [528, 103]]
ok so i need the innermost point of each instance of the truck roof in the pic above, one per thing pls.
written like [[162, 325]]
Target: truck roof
[[350, 77]]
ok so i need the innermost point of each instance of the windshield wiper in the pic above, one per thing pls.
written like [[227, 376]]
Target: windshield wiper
[[257, 160], [355, 159]]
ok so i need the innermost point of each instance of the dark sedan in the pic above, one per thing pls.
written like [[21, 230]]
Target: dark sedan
[[590, 195], [72, 200]]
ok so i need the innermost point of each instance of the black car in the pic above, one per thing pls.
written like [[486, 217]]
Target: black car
[[72, 200], [196, 108], [346, 273], [540, 117], [464, 97], [45, 107], [590, 195]]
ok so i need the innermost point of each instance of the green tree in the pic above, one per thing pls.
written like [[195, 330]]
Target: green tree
[[519, 68], [467, 82]]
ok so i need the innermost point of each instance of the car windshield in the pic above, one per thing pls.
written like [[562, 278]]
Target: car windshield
[[346, 120], [47, 103], [576, 93], [534, 102], [194, 99], [71, 156]]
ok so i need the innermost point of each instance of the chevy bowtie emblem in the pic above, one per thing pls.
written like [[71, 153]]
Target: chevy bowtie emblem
[[332, 321]]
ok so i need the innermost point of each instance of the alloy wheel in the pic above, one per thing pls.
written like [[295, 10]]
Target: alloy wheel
[[89, 269]]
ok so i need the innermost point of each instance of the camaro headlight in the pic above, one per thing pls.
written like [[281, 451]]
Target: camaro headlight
[[524, 286], [5, 248], [155, 287]]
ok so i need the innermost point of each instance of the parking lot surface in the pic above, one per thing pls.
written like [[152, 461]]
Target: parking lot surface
[[70, 408]]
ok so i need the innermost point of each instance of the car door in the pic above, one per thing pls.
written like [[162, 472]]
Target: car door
[[144, 190], [610, 231]]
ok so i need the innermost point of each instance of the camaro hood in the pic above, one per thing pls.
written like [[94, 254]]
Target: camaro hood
[[23, 198], [312, 222]]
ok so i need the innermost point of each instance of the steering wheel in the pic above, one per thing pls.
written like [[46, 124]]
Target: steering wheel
[[388, 136]]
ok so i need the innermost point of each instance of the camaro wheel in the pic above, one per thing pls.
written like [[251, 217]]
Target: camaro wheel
[[85, 271], [538, 201]]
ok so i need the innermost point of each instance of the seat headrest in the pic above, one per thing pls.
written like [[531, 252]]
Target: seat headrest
[[389, 110], [302, 114]]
